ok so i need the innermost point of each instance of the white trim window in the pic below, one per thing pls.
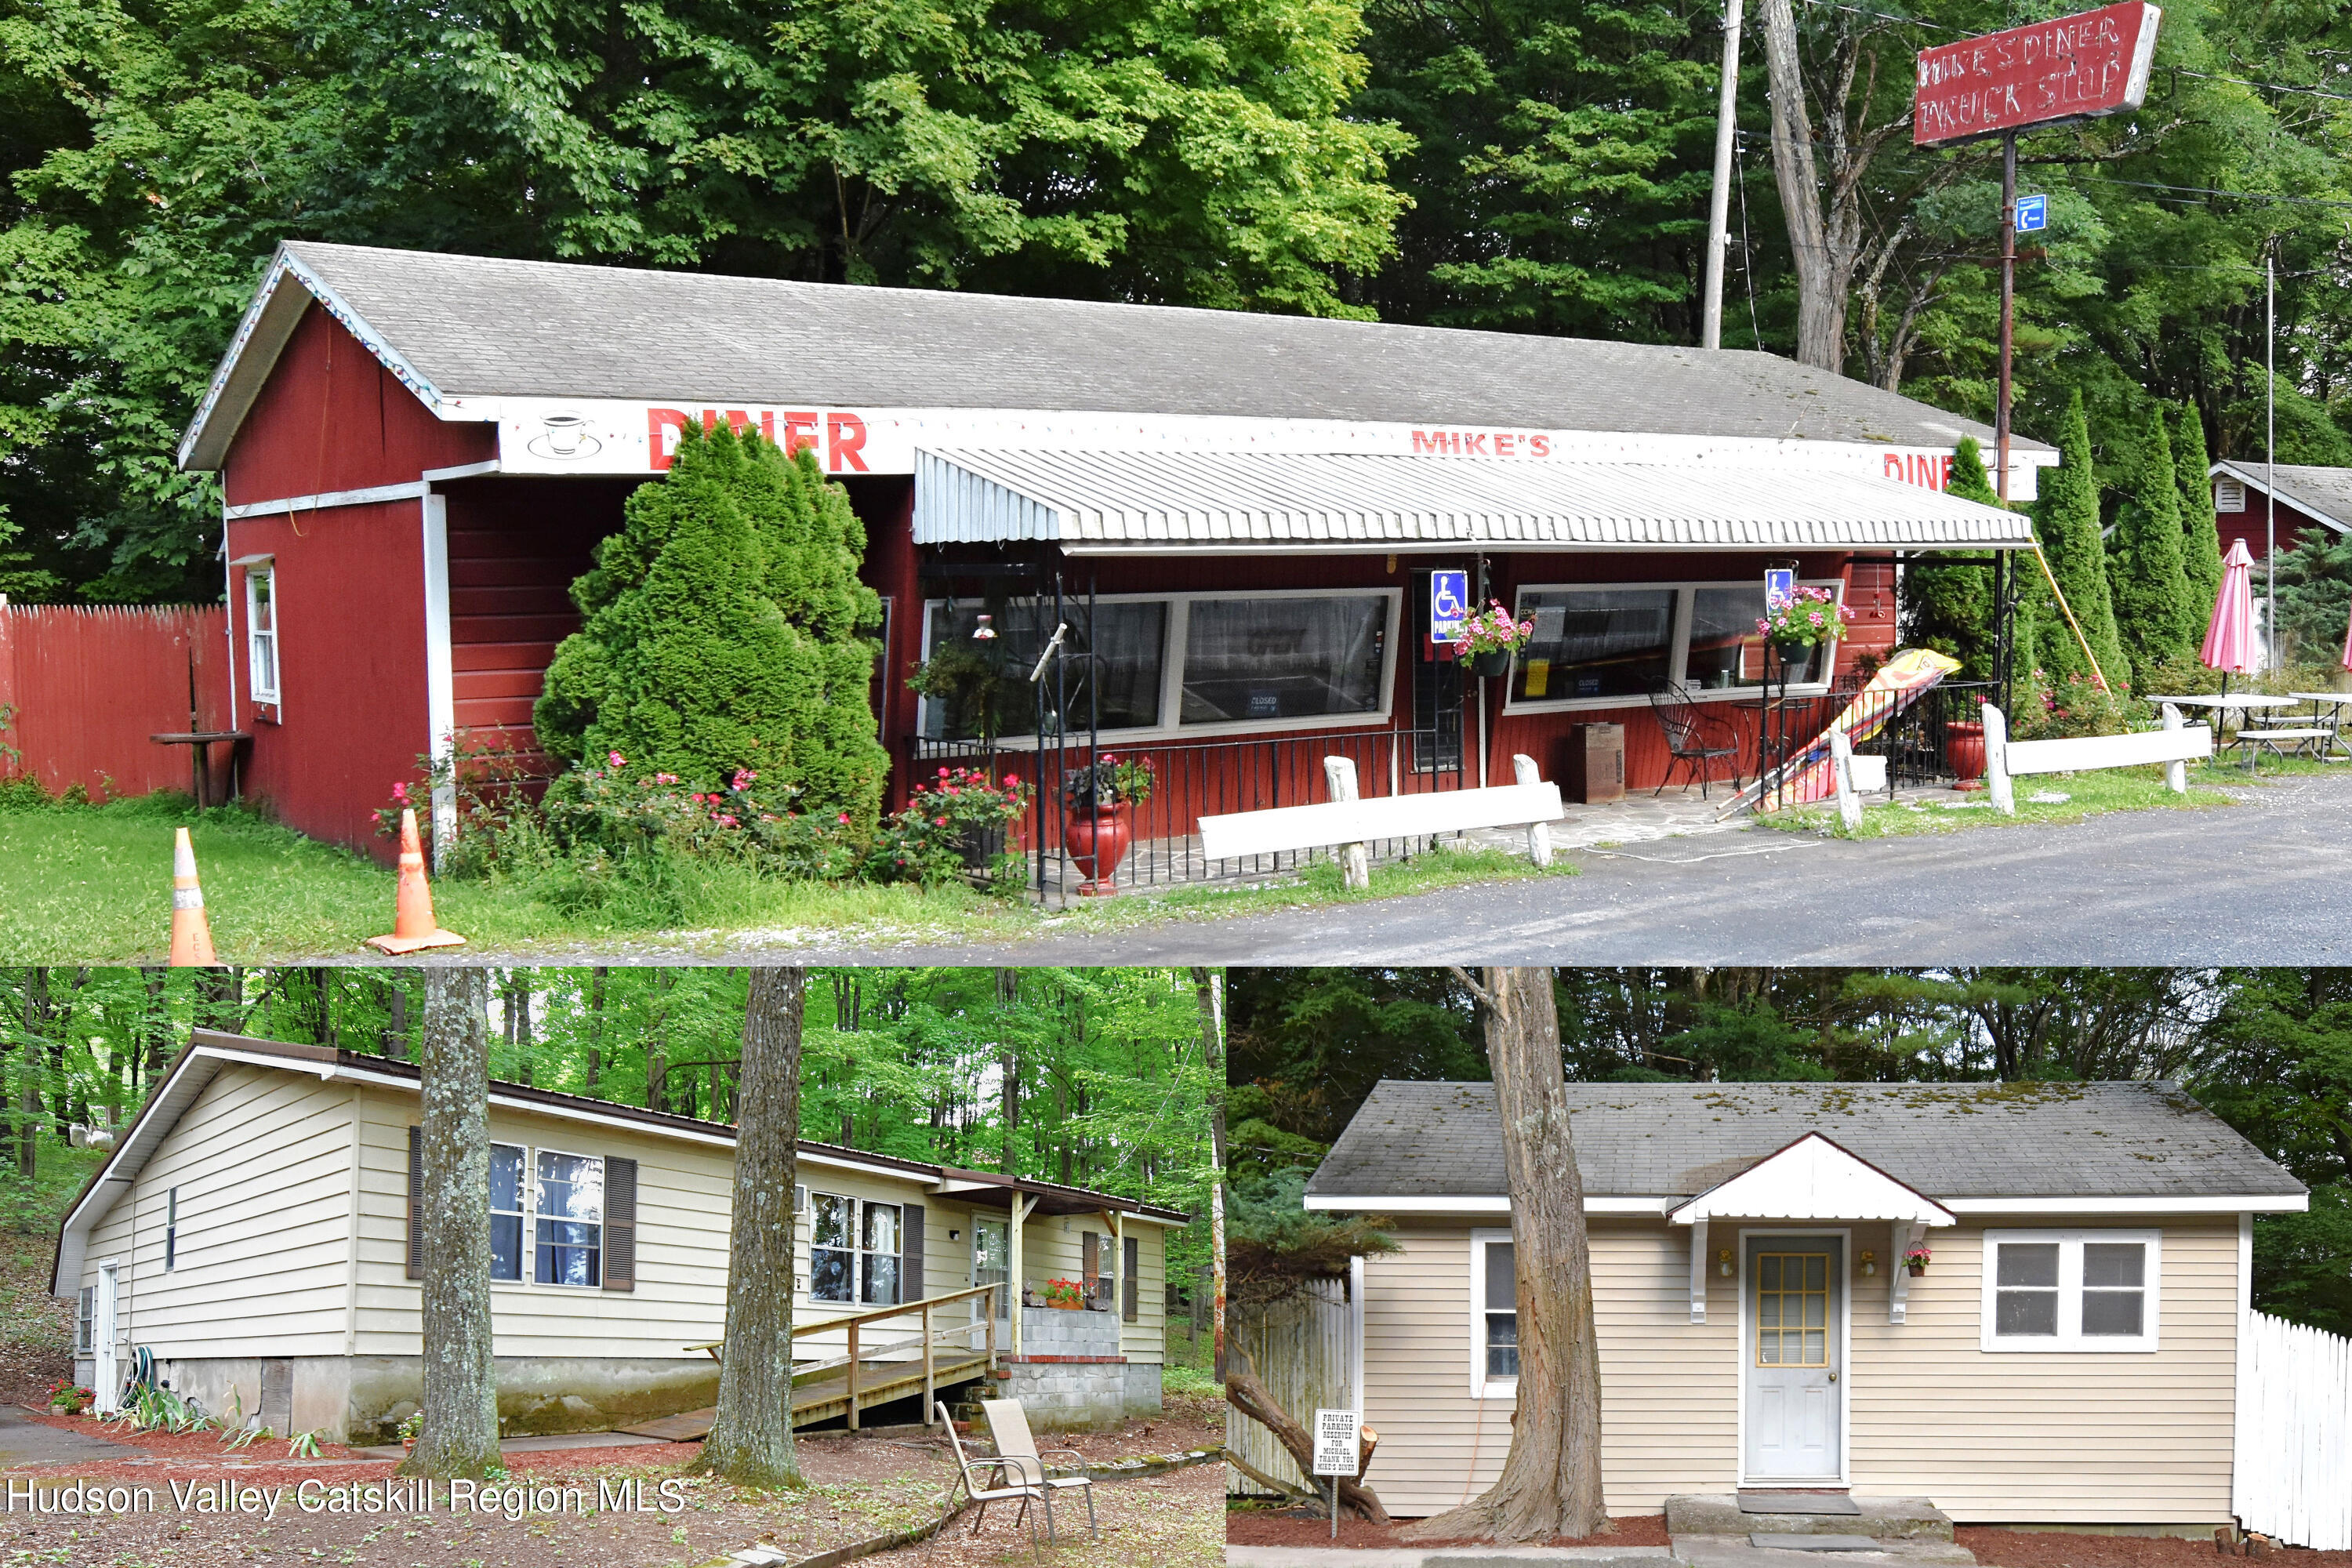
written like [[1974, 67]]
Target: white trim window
[[86, 1321], [1494, 1315], [171, 1229], [1175, 665], [507, 1198], [262, 630], [853, 1251], [569, 1206], [1608, 645], [2071, 1289]]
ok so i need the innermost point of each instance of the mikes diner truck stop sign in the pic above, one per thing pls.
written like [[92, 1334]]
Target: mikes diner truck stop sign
[[2071, 69]]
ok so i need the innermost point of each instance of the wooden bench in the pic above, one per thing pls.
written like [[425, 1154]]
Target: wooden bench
[[2176, 745], [1350, 822]]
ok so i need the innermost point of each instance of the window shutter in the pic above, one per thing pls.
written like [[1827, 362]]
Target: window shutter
[[620, 1224], [910, 1252], [415, 1268], [1127, 1283]]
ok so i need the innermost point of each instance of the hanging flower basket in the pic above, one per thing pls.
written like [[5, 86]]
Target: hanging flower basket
[[1915, 1260], [1489, 638]]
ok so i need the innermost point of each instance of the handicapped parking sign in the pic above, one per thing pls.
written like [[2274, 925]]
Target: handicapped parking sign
[[2032, 213], [1779, 586], [1449, 604]]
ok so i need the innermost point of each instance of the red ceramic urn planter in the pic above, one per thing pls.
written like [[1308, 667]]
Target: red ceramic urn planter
[[1098, 842], [1964, 748]]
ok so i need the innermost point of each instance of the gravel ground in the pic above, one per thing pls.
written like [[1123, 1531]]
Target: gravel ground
[[1297, 1527], [1170, 1521], [2053, 1549]]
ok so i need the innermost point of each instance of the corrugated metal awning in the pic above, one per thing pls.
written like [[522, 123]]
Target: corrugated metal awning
[[1146, 502]]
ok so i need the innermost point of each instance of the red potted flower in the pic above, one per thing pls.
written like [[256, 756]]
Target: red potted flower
[[1100, 826]]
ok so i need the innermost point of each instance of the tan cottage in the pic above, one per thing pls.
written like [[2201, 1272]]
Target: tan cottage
[[2068, 1355], [250, 1243]]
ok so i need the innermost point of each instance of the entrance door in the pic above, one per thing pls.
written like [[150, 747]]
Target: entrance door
[[1795, 1305], [106, 1379], [992, 1262]]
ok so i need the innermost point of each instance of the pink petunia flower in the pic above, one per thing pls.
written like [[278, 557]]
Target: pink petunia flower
[[614, 759]]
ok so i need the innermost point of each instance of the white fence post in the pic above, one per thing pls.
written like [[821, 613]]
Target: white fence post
[[1995, 728], [1523, 771], [1355, 859], [1842, 770], [2292, 1478], [2176, 775]]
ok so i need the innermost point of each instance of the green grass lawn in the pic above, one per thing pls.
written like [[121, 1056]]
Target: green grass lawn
[[2067, 797], [93, 884]]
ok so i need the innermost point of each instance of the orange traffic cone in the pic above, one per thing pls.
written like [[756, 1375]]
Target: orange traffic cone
[[412, 913], [192, 933]]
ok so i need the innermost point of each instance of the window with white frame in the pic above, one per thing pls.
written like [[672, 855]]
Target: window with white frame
[[171, 1229], [1172, 664], [506, 1211], [2070, 1290], [1494, 1315], [570, 1203], [1610, 644], [261, 630], [854, 1250], [86, 1322]]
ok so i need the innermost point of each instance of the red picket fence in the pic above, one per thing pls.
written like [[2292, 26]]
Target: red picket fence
[[82, 689]]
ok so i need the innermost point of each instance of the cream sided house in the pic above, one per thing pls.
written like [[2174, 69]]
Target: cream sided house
[[2069, 1354], [251, 1239]]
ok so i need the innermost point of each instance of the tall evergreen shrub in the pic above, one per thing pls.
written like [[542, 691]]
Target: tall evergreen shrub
[[724, 630], [2200, 550], [2150, 587], [1947, 598], [2066, 521]]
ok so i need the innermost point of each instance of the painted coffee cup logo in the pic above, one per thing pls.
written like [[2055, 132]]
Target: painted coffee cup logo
[[562, 436]]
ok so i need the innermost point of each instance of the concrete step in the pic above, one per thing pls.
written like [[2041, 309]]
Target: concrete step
[[1768, 1549], [1447, 1557], [1880, 1517]]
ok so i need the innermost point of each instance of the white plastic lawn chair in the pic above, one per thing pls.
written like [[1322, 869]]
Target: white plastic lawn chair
[[1008, 1427], [1001, 1487]]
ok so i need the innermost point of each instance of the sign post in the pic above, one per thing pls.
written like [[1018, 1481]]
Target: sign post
[[1339, 1438]]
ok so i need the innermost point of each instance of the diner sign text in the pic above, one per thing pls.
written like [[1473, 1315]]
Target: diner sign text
[[2093, 63]]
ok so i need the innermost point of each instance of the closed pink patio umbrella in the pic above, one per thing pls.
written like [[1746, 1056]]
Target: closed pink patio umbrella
[[2230, 635]]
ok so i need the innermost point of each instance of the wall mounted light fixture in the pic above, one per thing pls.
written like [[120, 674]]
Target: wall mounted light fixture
[[1869, 1262], [1723, 1262]]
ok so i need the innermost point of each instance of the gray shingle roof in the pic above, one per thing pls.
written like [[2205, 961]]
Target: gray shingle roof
[[1947, 1140], [477, 326], [2325, 493]]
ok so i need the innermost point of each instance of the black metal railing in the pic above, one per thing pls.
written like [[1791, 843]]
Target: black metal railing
[[1929, 742]]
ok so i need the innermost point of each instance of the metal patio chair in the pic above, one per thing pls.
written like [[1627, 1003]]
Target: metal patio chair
[[1688, 740], [1008, 1427], [999, 1486]]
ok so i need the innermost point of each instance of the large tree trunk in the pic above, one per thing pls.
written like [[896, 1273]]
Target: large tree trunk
[[1550, 1483], [1821, 283], [460, 1435], [595, 1024], [1246, 1395], [1207, 990], [751, 1444]]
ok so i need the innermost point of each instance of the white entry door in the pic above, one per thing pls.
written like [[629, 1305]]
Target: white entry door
[[1793, 1357], [991, 1263], [105, 1378]]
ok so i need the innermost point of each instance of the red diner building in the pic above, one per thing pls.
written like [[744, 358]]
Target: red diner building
[[1233, 519]]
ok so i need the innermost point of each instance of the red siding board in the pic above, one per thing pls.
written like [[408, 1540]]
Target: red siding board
[[330, 417], [85, 687]]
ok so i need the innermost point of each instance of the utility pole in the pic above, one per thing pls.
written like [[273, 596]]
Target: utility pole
[[2269, 463], [1719, 206], [2008, 311]]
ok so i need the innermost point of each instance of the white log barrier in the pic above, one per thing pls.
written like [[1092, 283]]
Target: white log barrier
[[1856, 776], [1523, 773], [1356, 858], [1283, 827], [2176, 745]]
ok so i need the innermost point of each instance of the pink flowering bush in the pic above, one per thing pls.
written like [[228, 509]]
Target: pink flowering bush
[[957, 824], [1491, 630], [1810, 615], [603, 817], [491, 780]]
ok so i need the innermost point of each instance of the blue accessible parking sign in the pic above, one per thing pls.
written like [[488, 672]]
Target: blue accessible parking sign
[[2032, 213], [1449, 604], [1779, 586]]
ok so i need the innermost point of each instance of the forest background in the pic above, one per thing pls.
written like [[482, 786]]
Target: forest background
[[1091, 1077], [1527, 165], [2268, 1050]]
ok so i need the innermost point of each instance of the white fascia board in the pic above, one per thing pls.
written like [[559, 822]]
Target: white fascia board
[[2272, 1202], [1375, 1203]]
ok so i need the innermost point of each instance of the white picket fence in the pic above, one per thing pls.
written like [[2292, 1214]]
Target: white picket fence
[[2292, 1479], [1300, 1348]]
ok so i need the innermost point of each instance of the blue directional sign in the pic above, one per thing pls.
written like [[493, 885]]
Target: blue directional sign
[[1449, 604], [2032, 213], [1779, 586]]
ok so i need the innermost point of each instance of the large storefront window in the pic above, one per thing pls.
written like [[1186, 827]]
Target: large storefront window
[[1594, 645], [1187, 664], [1284, 658]]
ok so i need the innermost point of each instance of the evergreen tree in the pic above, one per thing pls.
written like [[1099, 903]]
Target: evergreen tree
[[2201, 533], [1947, 598], [2066, 521], [2150, 589], [723, 633]]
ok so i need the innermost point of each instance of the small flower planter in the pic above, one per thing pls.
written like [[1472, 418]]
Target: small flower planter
[[1486, 665], [1792, 654], [1964, 748], [1098, 841], [1915, 1269]]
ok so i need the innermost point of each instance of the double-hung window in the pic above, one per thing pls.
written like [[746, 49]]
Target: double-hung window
[[506, 1211], [570, 1201], [86, 1322], [1494, 1315], [1608, 645], [853, 1251], [171, 1229], [2070, 1290], [1164, 664], [261, 630]]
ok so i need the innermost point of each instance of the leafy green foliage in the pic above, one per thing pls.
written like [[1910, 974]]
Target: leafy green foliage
[[2154, 617], [2200, 549], [723, 633], [1948, 603], [1275, 1244], [2315, 593], [2066, 521]]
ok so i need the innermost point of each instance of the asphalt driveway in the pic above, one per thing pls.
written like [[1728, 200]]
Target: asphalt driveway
[[2265, 882]]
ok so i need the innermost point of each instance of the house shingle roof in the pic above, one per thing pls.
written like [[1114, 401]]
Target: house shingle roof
[[2325, 493], [481, 326], [1947, 1140]]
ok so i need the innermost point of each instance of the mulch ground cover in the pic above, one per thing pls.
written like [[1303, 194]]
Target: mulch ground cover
[[1302, 1527], [2056, 1549]]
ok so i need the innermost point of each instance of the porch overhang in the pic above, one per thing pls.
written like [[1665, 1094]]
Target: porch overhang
[[1184, 502]]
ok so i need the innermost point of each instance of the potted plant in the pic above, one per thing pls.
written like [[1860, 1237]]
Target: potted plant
[[1964, 751], [1808, 617], [1101, 797], [1490, 638], [1066, 1294], [412, 1428], [66, 1399], [1915, 1258]]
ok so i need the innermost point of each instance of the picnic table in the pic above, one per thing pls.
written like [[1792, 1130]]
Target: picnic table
[[200, 744], [2252, 741], [2327, 710]]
